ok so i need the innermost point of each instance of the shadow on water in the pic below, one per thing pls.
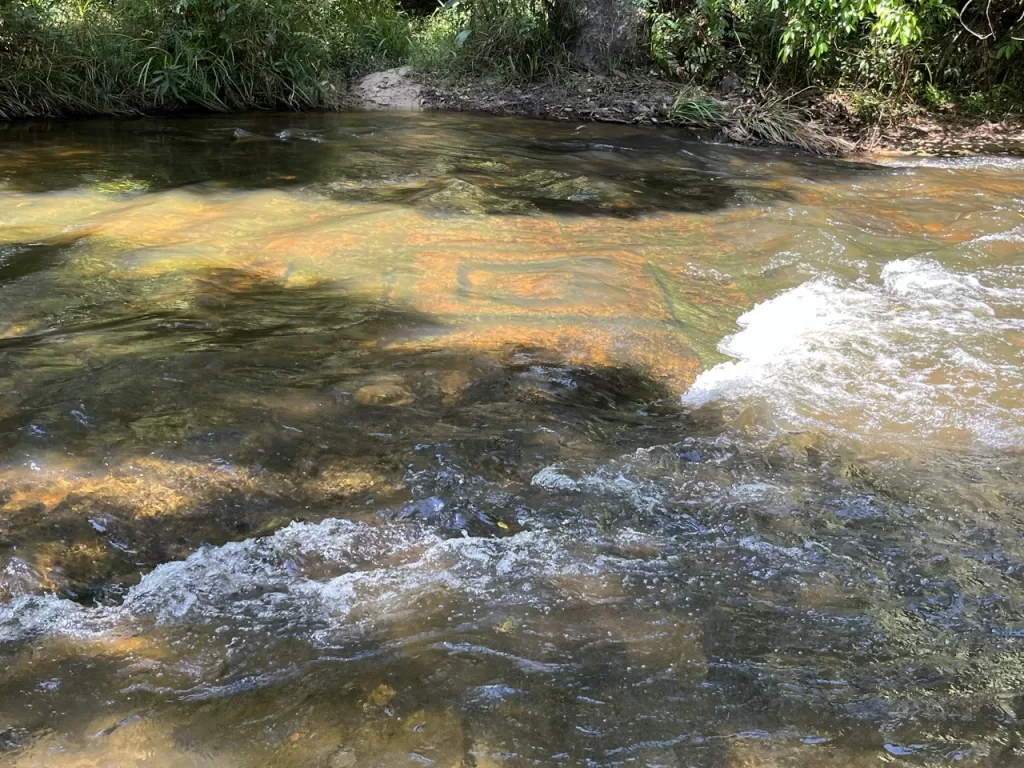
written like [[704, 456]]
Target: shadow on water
[[143, 440], [131, 440], [447, 163], [20, 259], [705, 633], [708, 600]]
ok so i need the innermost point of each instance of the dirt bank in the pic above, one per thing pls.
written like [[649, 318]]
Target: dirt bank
[[632, 99]]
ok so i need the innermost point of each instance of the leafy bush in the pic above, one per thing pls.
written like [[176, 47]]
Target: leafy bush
[[905, 46], [690, 42], [898, 47]]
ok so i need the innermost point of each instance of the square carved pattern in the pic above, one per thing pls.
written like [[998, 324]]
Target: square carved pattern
[[554, 286]]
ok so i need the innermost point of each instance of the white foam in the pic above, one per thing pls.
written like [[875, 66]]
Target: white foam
[[928, 281], [325, 581], [927, 351], [642, 496], [30, 616], [971, 162]]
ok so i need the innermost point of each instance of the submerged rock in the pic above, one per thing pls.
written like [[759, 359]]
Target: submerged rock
[[337, 479], [379, 696], [387, 394], [343, 758], [421, 736], [14, 738], [453, 384], [462, 197]]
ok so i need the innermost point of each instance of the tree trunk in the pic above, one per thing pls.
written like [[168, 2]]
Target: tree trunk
[[607, 32]]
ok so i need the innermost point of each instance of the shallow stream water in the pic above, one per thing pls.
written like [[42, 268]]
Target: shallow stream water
[[391, 440]]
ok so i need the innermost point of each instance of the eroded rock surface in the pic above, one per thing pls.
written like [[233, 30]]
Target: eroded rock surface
[[390, 89]]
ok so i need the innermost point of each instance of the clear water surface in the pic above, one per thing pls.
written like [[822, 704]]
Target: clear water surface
[[391, 440]]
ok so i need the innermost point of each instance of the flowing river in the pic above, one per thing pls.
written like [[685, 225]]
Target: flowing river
[[412, 440]]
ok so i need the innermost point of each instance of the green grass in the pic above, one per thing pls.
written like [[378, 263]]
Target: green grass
[[120, 56]]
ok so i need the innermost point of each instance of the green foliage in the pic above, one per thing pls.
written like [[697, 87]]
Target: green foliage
[[690, 43], [907, 47], [516, 39], [819, 29], [119, 56], [897, 47]]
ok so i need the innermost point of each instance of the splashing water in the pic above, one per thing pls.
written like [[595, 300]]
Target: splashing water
[[929, 352]]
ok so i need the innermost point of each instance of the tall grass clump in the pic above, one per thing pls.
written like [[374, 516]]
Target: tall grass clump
[[119, 56], [773, 121], [695, 108]]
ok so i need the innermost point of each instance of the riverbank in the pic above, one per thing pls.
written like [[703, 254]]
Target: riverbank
[[834, 126], [754, 75]]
